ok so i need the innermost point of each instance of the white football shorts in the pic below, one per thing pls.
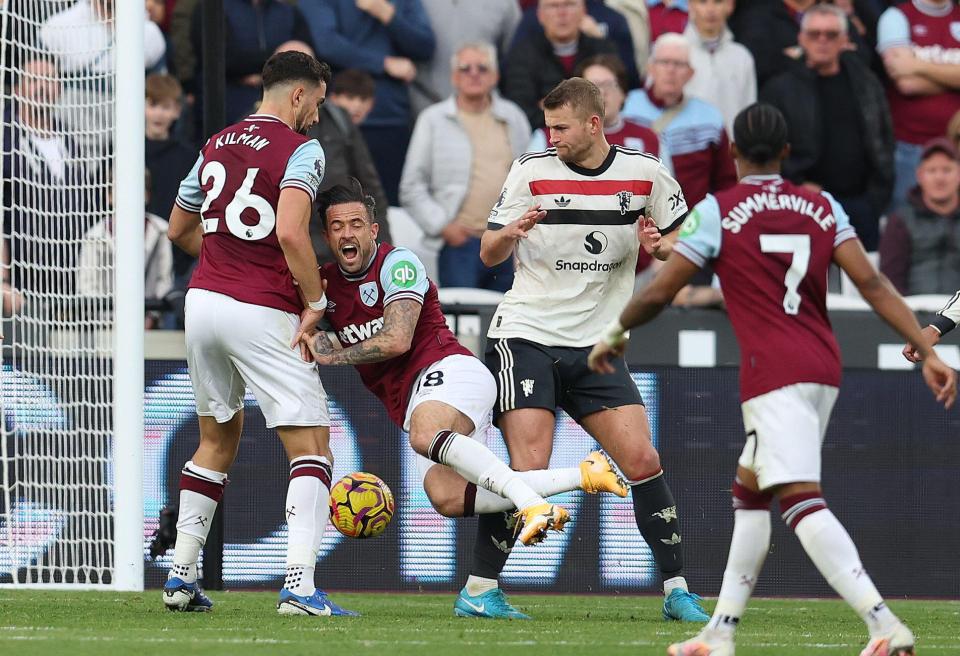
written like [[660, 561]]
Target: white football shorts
[[462, 382], [785, 431], [232, 345]]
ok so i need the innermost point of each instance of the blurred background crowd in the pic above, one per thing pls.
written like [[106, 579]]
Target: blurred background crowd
[[433, 99]]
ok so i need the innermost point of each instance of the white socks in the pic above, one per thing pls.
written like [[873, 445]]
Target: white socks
[[748, 549], [671, 584], [824, 539], [308, 496], [476, 463], [477, 585], [830, 548], [200, 491], [545, 482]]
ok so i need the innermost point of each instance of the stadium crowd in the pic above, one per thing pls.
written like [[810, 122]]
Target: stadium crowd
[[433, 99]]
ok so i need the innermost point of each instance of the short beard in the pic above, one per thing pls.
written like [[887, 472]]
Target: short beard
[[573, 156]]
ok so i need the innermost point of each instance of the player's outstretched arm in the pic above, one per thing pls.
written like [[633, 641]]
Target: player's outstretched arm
[[185, 231], [887, 302], [641, 309], [947, 319], [293, 233], [399, 323], [497, 245]]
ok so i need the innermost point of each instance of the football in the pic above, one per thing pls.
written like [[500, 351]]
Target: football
[[361, 505]]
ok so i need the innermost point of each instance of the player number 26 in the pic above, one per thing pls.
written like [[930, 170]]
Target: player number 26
[[243, 199]]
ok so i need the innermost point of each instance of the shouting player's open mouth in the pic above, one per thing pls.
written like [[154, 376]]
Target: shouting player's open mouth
[[350, 253]]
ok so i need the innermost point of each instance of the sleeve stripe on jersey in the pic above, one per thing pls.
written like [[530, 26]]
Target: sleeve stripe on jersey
[[397, 296], [634, 151], [189, 207], [690, 253], [676, 224], [844, 235], [951, 310], [299, 185], [495, 226], [526, 157]]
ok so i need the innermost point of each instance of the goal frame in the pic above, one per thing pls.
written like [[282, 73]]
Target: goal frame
[[126, 445]]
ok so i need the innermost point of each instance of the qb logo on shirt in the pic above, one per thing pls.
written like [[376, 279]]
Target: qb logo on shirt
[[691, 225], [404, 274]]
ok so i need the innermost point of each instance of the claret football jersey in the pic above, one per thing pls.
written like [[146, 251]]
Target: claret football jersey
[[355, 311], [235, 185], [771, 243]]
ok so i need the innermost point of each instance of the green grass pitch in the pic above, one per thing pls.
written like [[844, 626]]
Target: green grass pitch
[[117, 624]]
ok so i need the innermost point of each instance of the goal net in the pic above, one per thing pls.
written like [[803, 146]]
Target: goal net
[[58, 452]]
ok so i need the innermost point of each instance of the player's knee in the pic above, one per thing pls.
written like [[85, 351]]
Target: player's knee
[[641, 464], [420, 441], [444, 500]]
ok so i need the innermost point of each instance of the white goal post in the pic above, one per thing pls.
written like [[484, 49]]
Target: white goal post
[[72, 198]]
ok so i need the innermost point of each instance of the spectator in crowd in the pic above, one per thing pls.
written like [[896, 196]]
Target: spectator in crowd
[[541, 61], [667, 16], [169, 159], [454, 23], [345, 153], [599, 22], [608, 73], [723, 70], [638, 22], [254, 30], [920, 46], [384, 38], [43, 185], [183, 61], [80, 37], [95, 271], [841, 138], [353, 91], [460, 153], [157, 13], [691, 130], [920, 248], [769, 29], [80, 34]]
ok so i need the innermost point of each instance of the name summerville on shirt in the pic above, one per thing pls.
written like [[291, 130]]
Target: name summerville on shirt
[[742, 212]]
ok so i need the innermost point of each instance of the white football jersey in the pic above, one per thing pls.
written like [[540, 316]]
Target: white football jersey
[[575, 271]]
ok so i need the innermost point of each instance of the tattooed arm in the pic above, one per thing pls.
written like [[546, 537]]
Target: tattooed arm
[[399, 322]]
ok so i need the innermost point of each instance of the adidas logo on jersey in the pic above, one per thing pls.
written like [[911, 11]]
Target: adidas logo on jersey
[[561, 202]]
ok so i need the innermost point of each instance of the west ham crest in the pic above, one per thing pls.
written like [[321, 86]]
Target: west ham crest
[[369, 293]]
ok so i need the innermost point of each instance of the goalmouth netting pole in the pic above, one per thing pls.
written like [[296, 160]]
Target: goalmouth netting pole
[[71, 439], [129, 299]]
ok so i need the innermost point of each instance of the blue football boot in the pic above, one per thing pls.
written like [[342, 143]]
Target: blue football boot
[[684, 606], [316, 604], [492, 604], [178, 595]]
